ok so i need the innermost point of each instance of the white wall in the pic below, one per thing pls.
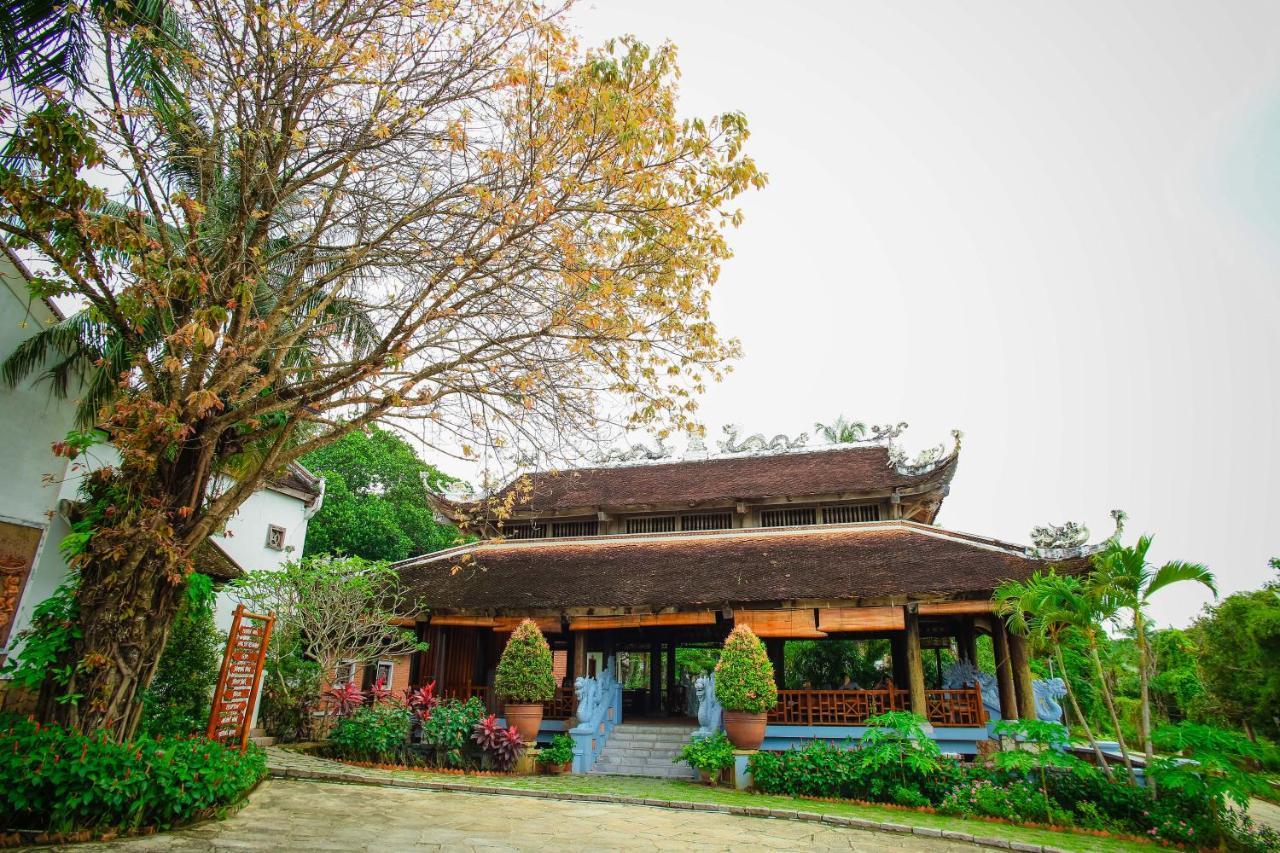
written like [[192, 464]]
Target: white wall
[[246, 538], [31, 419]]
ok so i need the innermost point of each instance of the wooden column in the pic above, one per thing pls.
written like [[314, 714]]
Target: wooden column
[[775, 649], [1004, 670], [671, 675], [967, 642], [1022, 677], [655, 677], [898, 658], [915, 665], [579, 640]]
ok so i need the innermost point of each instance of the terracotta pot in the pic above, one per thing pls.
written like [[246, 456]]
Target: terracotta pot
[[526, 719], [745, 731], [556, 769], [712, 779]]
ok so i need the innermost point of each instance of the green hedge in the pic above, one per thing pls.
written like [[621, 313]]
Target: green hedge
[[54, 781]]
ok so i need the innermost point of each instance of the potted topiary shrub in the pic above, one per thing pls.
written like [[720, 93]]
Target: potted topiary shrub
[[524, 679], [558, 757], [744, 686]]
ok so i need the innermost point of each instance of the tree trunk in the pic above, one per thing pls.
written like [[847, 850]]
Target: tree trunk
[[126, 608], [1141, 635], [1111, 707], [1075, 707]]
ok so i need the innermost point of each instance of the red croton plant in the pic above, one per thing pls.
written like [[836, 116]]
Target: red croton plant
[[502, 744]]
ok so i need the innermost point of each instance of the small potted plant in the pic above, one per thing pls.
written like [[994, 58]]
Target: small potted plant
[[557, 758], [525, 680], [745, 688], [710, 756]]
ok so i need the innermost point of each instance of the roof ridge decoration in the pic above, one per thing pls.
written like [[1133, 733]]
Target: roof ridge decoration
[[1067, 540]]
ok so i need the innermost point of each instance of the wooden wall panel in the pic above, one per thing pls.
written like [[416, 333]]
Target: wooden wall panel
[[798, 623], [546, 624], [861, 619]]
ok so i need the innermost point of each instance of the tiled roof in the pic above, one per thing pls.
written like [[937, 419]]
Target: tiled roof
[[867, 560], [855, 469], [296, 478]]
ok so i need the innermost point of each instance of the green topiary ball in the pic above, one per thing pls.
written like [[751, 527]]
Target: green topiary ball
[[744, 675], [524, 673]]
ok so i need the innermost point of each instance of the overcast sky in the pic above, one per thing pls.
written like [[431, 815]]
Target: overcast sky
[[1053, 226]]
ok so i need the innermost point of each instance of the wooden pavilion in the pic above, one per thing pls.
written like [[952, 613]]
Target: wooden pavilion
[[797, 542]]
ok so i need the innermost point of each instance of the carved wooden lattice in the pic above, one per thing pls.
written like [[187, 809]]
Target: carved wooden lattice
[[241, 677]]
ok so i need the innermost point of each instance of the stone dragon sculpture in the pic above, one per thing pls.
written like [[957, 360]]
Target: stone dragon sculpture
[[757, 443]]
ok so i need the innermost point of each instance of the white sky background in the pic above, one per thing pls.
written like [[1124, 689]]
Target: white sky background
[[1054, 226]]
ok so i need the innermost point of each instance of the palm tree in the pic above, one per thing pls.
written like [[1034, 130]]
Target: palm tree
[[1098, 605], [46, 43], [1124, 573], [1045, 608], [841, 431]]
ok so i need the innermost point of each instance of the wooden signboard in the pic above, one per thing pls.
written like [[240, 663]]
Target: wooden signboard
[[241, 678]]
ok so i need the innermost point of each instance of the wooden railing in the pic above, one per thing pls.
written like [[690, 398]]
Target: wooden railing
[[561, 707], [959, 707], [835, 707]]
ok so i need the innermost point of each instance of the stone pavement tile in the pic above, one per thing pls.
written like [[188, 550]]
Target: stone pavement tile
[[316, 816]]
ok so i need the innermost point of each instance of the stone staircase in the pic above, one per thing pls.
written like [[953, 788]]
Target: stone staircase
[[645, 749], [260, 737]]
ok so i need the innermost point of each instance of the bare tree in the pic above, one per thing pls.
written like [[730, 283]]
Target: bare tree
[[441, 210]]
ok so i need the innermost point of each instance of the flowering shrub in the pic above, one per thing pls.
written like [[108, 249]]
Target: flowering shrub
[[54, 781], [525, 672], [378, 732], [501, 744], [744, 675], [446, 732], [711, 755], [1014, 801]]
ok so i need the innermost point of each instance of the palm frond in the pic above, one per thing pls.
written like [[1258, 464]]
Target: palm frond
[[1177, 571]]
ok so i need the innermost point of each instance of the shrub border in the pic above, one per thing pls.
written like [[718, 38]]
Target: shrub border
[[743, 811], [31, 837]]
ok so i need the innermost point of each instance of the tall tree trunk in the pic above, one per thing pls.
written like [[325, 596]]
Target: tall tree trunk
[[1140, 631], [125, 611], [1109, 701], [1075, 707]]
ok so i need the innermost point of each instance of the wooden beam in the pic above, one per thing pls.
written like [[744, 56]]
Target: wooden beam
[[641, 620], [915, 666], [546, 624], [955, 608], [860, 619], [794, 623], [463, 621], [579, 654]]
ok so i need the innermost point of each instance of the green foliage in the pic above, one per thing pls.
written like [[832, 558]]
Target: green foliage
[[744, 675], [447, 732], [711, 754], [177, 702], [1016, 801], [1041, 746], [377, 732], [1239, 657], [560, 751], [825, 663], [375, 504], [54, 626], [525, 671], [54, 781], [696, 661], [1176, 688], [1206, 762], [895, 746]]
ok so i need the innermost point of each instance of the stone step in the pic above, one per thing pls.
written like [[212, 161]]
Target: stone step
[[262, 740], [645, 749]]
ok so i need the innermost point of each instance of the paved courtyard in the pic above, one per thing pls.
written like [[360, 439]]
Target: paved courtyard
[[318, 816]]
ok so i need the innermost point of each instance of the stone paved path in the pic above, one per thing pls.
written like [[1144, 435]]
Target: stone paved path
[[317, 816]]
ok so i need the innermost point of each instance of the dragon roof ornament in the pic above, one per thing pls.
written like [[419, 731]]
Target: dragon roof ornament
[[1067, 541]]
